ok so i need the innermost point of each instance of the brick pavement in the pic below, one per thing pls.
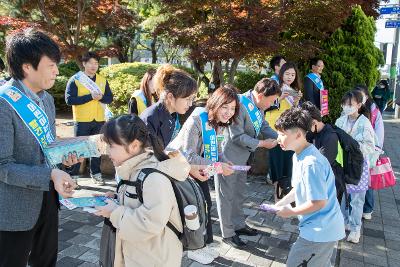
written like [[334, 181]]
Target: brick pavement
[[79, 232]]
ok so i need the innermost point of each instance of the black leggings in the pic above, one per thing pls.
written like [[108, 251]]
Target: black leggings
[[206, 192]]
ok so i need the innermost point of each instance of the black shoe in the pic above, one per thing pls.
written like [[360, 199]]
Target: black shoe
[[247, 231], [234, 241]]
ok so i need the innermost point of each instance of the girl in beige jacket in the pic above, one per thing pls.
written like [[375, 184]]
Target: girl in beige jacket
[[142, 237]]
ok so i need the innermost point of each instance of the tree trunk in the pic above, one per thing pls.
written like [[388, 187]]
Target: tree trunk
[[199, 69], [217, 75], [232, 70], [153, 50]]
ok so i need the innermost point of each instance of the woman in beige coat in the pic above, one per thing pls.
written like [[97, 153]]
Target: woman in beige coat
[[142, 237]]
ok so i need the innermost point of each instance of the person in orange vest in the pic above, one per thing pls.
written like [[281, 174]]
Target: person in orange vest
[[88, 93]]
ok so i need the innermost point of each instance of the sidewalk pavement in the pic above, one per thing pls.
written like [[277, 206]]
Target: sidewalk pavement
[[79, 232]]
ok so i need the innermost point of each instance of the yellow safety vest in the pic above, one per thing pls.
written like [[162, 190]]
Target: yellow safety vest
[[272, 116], [140, 101], [91, 110]]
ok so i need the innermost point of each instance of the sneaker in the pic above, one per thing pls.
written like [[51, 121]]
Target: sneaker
[[200, 255], [367, 216], [214, 253], [98, 179], [354, 237]]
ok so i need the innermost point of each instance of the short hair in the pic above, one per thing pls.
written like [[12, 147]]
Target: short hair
[[28, 47], [169, 79], [314, 112], [357, 96], [314, 61], [294, 118], [88, 55], [275, 61], [145, 86], [267, 87]]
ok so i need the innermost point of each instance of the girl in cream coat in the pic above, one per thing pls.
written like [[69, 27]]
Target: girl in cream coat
[[143, 238]]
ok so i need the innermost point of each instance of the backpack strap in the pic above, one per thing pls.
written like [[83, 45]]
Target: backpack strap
[[139, 194]]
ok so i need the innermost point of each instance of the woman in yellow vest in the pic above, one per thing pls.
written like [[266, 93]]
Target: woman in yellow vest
[[145, 96], [280, 161]]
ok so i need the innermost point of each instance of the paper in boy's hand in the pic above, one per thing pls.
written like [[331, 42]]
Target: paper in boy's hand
[[240, 168], [269, 208], [81, 202], [213, 169]]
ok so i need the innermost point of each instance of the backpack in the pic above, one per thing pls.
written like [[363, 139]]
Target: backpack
[[186, 192], [374, 115], [353, 158]]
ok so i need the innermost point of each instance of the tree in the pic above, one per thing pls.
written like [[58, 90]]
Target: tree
[[225, 32], [350, 58], [309, 23], [77, 25]]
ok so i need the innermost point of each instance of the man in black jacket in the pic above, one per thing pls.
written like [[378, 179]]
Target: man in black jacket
[[325, 139]]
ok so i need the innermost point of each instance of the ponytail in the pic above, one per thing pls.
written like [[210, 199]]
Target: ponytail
[[125, 129], [169, 79], [157, 147]]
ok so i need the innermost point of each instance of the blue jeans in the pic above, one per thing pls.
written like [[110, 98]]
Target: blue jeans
[[369, 201], [86, 129], [353, 214]]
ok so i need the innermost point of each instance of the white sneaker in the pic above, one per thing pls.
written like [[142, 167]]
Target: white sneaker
[[98, 179], [214, 253], [200, 255], [367, 216], [354, 237]]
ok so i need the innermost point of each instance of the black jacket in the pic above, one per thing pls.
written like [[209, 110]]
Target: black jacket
[[159, 121], [312, 92], [326, 141]]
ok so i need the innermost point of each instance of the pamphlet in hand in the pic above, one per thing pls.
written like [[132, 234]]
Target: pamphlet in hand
[[269, 208], [82, 146], [82, 202], [240, 168]]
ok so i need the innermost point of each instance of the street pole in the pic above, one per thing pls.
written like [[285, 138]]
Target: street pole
[[393, 70]]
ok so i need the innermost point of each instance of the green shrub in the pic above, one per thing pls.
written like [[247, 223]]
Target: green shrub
[[124, 78], [66, 70], [350, 58], [245, 81]]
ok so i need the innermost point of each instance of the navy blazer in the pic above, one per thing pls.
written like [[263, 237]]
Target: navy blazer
[[159, 121]]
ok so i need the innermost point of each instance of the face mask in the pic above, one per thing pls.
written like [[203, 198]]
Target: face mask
[[348, 110]]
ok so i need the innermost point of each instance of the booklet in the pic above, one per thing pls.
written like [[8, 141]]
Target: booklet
[[269, 208], [82, 202], [82, 146]]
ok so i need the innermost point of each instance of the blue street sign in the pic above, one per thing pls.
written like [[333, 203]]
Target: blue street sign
[[392, 24], [389, 10]]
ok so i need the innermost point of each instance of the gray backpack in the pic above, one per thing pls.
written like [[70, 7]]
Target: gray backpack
[[187, 192]]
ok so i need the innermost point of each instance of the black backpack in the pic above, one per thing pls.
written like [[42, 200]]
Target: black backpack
[[187, 192], [353, 159]]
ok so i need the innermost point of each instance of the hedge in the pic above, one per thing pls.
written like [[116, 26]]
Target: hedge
[[125, 78]]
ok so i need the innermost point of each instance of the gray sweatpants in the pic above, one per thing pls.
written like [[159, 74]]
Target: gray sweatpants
[[311, 254], [230, 192]]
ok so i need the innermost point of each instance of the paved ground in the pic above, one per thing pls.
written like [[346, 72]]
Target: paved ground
[[79, 233]]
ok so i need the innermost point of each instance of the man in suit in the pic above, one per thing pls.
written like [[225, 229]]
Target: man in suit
[[241, 139], [29, 188], [313, 83]]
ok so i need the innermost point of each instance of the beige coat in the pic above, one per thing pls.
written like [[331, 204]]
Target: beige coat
[[143, 239]]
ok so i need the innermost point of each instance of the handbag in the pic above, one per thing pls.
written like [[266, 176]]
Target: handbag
[[362, 186], [382, 175]]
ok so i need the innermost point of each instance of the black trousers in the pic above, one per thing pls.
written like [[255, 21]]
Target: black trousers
[[38, 246], [86, 129]]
